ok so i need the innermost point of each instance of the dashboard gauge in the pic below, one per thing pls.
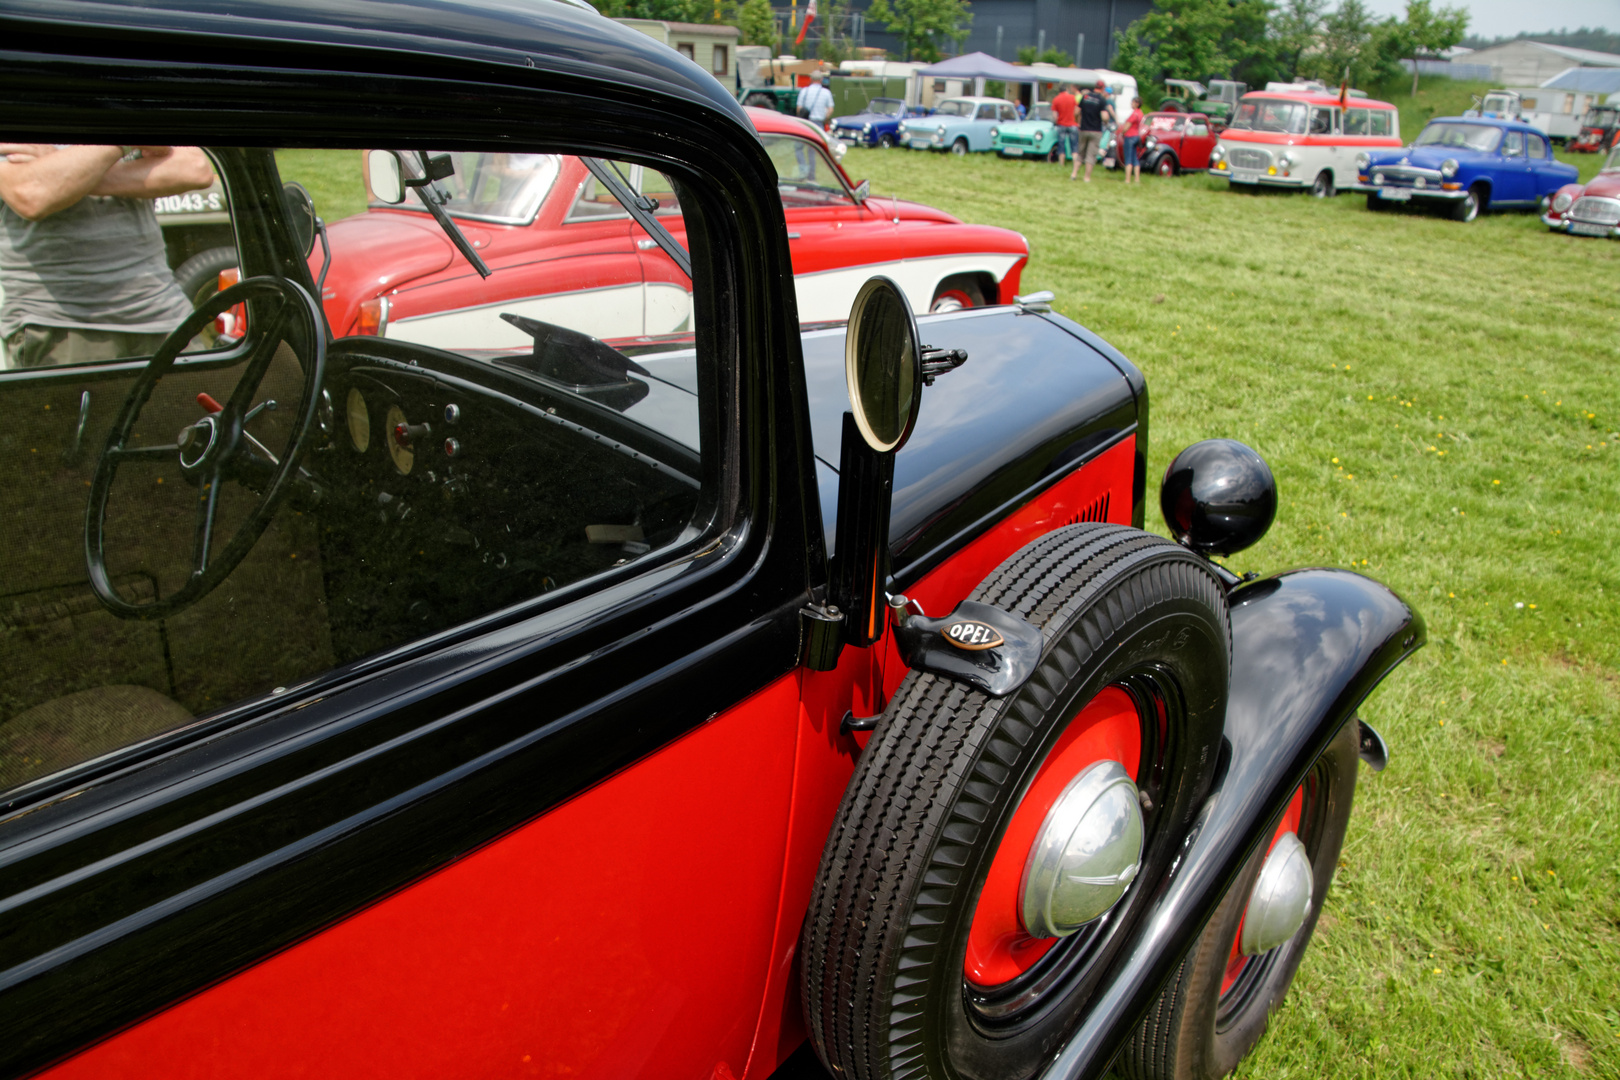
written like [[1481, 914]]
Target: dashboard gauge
[[359, 421], [399, 447]]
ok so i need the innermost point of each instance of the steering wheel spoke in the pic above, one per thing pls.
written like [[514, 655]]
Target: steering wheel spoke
[[217, 448]]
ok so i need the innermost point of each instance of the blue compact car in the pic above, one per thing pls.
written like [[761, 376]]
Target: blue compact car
[[1467, 164], [878, 126], [961, 125]]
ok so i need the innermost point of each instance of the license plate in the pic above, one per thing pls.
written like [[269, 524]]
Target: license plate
[[1012, 151], [919, 144], [1394, 196], [1244, 176], [1582, 228]]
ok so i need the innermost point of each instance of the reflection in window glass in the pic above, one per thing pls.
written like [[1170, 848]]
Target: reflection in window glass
[[804, 174], [1462, 136], [1271, 114], [1381, 122], [473, 444]]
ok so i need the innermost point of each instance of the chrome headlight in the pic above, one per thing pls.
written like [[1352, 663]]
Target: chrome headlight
[[939, 135], [1448, 168], [1362, 161], [1218, 154], [1149, 142], [1378, 178], [1286, 160], [1562, 201], [995, 132], [1420, 182], [866, 129]]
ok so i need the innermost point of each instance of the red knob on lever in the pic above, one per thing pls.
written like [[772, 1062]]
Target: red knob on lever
[[209, 404]]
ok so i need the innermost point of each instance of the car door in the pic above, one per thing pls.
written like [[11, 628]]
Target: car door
[[985, 117], [1324, 152], [1513, 184], [1543, 179], [494, 703], [1196, 144]]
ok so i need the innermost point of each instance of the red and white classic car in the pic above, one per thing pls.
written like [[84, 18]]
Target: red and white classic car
[[1303, 139], [559, 243], [1589, 209]]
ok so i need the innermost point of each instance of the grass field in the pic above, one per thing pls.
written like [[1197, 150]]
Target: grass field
[[1439, 404]]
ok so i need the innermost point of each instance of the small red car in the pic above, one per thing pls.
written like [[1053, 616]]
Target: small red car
[[558, 242], [1589, 209], [1174, 142]]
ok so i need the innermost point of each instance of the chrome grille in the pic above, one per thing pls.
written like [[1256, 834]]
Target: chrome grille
[[1404, 176], [1244, 158], [1594, 208], [1017, 140]]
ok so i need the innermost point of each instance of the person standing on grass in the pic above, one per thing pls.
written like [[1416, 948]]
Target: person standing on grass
[[1131, 134], [1063, 111], [816, 101], [1094, 113]]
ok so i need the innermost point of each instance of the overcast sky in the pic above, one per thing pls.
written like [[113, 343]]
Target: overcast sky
[[1504, 18]]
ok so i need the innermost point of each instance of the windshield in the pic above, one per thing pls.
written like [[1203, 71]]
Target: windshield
[[1462, 136], [804, 174], [1271, 114], [1601, 116], [955, 107], [887, 106], [1614, 159], [1497, 103], [1164, 123], [1041, 111], [500, 187]]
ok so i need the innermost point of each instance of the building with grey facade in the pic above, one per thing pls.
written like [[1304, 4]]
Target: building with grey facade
[[1082, 28]]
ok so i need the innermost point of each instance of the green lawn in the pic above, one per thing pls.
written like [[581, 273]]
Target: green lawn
[[1439, 404]]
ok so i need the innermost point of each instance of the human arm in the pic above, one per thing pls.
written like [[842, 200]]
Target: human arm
[[38, 180], [159, 171]]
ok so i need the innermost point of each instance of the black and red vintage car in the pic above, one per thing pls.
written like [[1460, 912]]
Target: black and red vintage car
[[618, 705], [1175, 142]]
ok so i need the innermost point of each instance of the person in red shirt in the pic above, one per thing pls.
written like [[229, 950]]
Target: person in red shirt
[[1132, 136], [1064, 107]]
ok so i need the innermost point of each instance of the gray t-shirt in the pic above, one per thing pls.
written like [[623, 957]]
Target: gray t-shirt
[[98, 265]]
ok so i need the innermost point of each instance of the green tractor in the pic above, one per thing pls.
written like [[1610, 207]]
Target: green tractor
[[1217, 101]]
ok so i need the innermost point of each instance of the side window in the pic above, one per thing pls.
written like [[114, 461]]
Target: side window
[[90, 268], [1537, 147], [687, 49], [720, 63], [1355, 122], [1197, 130], [1322, 121], [1380, 122], [1513, 144], [474, 445], [986, 112], [804, 175], [1008, 113]]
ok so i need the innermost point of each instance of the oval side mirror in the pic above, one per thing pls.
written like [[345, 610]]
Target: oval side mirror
[[300, 214], [883, 365], [386, 177]]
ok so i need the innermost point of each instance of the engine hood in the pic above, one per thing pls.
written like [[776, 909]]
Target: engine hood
[[408, 245], [1425, 157]]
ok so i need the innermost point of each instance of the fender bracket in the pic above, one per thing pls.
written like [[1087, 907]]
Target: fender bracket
[[983, 646]]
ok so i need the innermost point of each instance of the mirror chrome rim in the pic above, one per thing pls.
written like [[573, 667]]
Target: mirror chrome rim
[[876, 285]]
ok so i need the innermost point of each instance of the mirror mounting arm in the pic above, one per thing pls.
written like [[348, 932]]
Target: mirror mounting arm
[[937, 362]]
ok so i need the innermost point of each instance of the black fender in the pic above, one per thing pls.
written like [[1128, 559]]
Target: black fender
[[1307, 647]]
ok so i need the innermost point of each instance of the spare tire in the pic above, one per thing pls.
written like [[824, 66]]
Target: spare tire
[[916, 960]]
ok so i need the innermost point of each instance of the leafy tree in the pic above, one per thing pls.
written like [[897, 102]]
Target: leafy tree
[[1026, 55], [835, 45], [922, 24], [1179, 39], [1425, 32], [757, 24], [1351, 42], [1296, 28]]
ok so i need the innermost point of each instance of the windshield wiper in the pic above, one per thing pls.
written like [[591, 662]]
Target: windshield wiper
[[434, 197], [641, 207]]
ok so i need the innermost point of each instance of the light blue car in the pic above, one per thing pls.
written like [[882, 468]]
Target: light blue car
[[961, 125]]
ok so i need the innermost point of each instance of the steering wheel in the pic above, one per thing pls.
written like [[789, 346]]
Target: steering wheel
[[217, 447]]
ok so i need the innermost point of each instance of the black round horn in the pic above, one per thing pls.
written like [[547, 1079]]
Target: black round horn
[[1218, 497]]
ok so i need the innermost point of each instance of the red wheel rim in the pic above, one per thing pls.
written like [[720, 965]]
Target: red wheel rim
[[951, 300], [1236, 961], [999, 950]]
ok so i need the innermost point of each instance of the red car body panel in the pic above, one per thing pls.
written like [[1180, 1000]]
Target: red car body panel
[[547, 952], [401, 256]]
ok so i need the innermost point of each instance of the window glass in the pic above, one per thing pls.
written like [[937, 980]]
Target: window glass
[[1356, 122], [805, 176], [986, 112], [1008, 113], [1322, 121], [687, 49], [1481, 137], [92, 268], [954, 107], [1513, 144], [718, 64], [1164, 124], [498, 187], [1538, 147], [1197, 130], [1271, 114], [472, 444], [1381, 122]]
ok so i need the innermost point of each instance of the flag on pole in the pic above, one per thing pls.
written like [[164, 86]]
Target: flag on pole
[[809, 17]]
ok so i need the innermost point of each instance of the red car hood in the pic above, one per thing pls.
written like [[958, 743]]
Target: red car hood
[[910, 211], [1606, 184], [403, 246]]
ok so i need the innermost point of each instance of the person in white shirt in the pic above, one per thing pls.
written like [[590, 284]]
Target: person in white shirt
[[816, 101]]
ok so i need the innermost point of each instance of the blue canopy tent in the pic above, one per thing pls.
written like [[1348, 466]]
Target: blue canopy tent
[[978, 66]]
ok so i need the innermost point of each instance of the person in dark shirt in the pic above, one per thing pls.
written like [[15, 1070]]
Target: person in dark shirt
[[1094, 113]]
